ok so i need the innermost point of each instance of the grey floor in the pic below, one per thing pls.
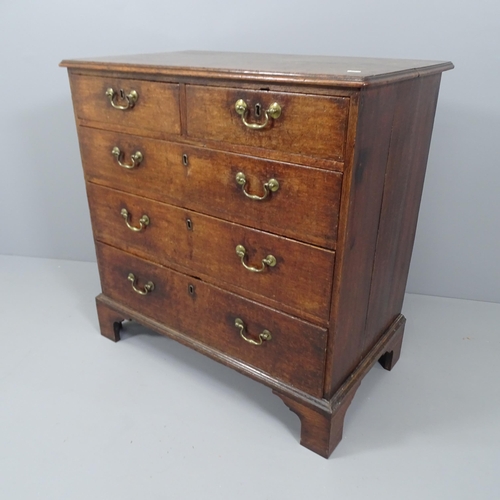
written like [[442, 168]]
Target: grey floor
[[146, 418]]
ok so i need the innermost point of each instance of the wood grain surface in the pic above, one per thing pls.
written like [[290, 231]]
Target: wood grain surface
[[349, 151], [301, 278], [207, 184], [295, 354], [155, 112], [309, 125], [303, 69], [405, 173]]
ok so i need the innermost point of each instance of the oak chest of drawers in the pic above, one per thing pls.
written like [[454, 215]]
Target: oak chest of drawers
[[260, 209]]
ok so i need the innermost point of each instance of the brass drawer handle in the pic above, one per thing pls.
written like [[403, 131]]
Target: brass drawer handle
[[271, 186], [270, 260], [148, 287], [274, 112], [143, 221], [130, 98], [136, 158], [264, 335]]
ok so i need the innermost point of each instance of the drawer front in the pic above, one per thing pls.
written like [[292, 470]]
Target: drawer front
[[154, 113], [308, 125], [301, 277], [208, 184], [295, 353]]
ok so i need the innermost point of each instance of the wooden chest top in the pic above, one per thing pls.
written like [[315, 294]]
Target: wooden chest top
[[325, 70]]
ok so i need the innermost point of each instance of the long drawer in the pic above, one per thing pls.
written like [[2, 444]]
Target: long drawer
[[207, 181], [290, 350], [308, 125], [300, 277]]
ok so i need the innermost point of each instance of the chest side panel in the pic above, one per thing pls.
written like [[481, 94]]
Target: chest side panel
[[405, 172], [378, 221], [358, 227]]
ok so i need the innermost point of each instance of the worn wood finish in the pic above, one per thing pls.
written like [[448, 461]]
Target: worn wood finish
[[332, 71], [372, 258], [310, 125], [163, 176], [406, 167], [361, 213], [321, 427], [110, 321], [259, 153], [295, 354], [393, 348], [155, 112], [349, 152], [300, 279], [321, 432]]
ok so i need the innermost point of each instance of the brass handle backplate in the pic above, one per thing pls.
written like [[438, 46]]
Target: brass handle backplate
[[143, 221], [130, 98], [148, 287], [270, 260], [264, 335], [271, 186], [136, 158], [273, 111]]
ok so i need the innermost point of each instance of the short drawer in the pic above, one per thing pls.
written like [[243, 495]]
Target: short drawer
[[149, 108], [307, 124], [300, 276], [294, 351], [303, 202]]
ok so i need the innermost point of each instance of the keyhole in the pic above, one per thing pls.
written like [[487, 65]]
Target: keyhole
[[185, 159], [191, 289], [122, 94], [189, 224], [258, 110]]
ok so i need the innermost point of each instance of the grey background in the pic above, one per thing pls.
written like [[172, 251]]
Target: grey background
[[42, 198]]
